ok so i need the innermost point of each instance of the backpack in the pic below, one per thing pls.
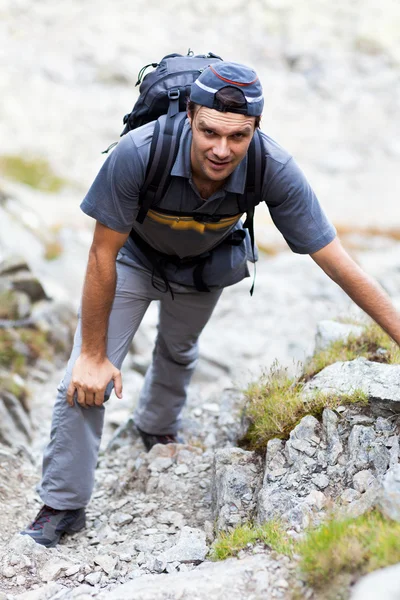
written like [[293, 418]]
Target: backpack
[[163, 97]]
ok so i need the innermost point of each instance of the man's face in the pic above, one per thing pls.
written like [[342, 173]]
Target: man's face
[[220, 141]]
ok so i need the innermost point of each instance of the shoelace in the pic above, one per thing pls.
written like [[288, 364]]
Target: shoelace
[[43, 517]]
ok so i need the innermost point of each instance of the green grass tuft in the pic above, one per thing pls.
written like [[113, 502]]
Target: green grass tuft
[[275, 405], [271, 534], [374, 344], [37, 346], [355, 546], [35, 172]]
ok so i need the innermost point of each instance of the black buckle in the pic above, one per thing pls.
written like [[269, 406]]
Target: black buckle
[[174, 94]]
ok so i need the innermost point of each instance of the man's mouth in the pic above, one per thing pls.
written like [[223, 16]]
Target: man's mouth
[[218, 166]]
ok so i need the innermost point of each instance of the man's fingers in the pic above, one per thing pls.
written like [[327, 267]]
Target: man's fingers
[[117, 377], [89, 398], [81, 397], [70, 394], [99, 398]]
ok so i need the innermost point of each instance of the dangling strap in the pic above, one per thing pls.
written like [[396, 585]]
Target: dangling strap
[[253, 193]]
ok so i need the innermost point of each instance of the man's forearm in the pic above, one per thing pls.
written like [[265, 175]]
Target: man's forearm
[[369, 296], [97, 299], [360, 287]]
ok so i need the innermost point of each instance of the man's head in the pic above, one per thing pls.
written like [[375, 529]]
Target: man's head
[[225, 107]]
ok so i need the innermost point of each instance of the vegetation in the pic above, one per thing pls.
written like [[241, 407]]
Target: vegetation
[[35, 172], [355, 546], [53, 250], [8, 305], [373, 344], [15, 359], [271, 534], [276, 404]]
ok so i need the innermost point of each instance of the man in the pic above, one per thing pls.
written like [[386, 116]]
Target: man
[[198, 216]]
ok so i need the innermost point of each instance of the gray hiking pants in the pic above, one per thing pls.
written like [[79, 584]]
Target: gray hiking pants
[[70, 458]]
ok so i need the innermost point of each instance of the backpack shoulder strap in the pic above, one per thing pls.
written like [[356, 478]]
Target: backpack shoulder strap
[[163, 151], [253, 192]]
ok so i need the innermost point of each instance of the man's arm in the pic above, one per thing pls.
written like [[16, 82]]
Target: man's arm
[[93, 371], [359, 286]]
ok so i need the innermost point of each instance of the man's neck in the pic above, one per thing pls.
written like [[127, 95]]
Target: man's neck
[[207, 187]]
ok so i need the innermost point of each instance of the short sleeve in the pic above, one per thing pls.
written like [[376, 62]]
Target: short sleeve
[[296, 211], [113, 197]]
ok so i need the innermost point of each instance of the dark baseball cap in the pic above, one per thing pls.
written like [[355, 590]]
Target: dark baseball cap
[[228, 74]]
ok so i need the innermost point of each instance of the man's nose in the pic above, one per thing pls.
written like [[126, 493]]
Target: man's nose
[[221, 148]]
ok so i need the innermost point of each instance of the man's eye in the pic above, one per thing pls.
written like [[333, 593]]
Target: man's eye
[[208, 131], [238, 136]]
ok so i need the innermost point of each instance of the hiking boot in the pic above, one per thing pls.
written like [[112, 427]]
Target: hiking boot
[[50, 524], [151, 439]]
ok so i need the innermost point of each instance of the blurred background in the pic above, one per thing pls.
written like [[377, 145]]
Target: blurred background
[[67, 76]]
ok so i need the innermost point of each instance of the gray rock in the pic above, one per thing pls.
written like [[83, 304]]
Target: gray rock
[[24, 281], [363, 480], [191, 547], [330, 432], [332, 331], [379, 585], [390, 495], [54, 569], [42, 593], [349, 495], [121, 519], [320, 480], [13, 264], [236, 473], [106, 562], [94, 578], [301, 441], [212, 580], [379, 381], [367, 501]]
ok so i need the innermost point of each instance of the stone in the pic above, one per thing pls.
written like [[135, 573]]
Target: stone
[[160, 464], [54, 569], [320, 480], [330, 431], [121, 519], [300, 442], [106, 562], [363, 480], [332, 331], [45, 592], [317, 499], [349, 495], [234, 477], [275, 457], [389, 500], [94, 578], [382, 424], [8, 572], [379, 381], [24, 281], [181, 470], [12, 264], [379, 585], [210, 580], [368, 500], [191, 547]]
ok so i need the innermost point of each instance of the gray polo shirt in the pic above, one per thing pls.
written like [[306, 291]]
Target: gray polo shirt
[[113, 199]]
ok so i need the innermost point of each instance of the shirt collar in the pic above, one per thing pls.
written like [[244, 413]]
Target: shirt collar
[[235, 183]]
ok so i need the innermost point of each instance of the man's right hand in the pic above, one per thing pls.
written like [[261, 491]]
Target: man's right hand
[[90, 378]]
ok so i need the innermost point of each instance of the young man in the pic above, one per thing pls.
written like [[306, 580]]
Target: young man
[[189, 247]]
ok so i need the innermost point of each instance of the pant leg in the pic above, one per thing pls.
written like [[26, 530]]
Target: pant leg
[[71, 456], [174, 358]]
